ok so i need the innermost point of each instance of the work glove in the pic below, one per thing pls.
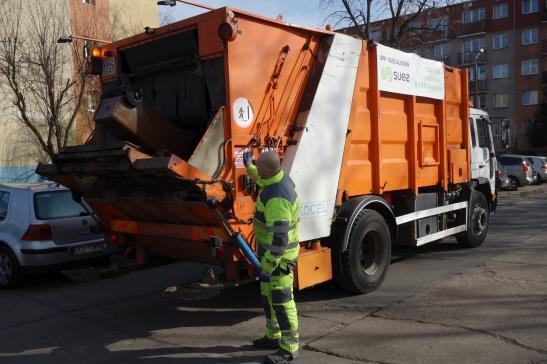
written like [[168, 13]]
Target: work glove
[[247, 159], [263, 276]]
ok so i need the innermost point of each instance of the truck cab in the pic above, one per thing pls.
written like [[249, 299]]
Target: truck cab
[[483, 157]]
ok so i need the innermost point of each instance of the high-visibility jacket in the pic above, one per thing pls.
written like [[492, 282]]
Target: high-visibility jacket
[[275, 220]]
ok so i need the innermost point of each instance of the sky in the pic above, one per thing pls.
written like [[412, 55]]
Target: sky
[[309, 13]]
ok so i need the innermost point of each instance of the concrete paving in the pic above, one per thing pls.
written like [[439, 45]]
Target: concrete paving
[[439, 303]]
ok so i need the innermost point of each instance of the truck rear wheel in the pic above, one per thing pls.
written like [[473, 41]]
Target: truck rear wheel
[[365, 262], [478, 220]]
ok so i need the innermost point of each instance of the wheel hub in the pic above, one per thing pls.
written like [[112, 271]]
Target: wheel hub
[[371, 253], [6, 269], [480, 218]]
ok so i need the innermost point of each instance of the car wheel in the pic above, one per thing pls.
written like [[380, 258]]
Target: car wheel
[[366, 260], [514, 183], [10, 271], [540, 180], [478, 220]]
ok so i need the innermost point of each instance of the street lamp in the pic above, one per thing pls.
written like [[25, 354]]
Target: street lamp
[[70, 38], [174, 2], [481, 51]]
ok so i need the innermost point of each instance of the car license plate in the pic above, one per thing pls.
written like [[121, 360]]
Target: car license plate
[[88, 249]]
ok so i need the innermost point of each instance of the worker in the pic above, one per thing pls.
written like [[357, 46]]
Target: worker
[[275, 227]]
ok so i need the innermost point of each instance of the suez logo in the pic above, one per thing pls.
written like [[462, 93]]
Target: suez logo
[[313, 209], [389, 75]]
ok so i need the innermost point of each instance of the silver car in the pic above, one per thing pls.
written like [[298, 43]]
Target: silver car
[[517, 168], [41, 226], [539, 164]]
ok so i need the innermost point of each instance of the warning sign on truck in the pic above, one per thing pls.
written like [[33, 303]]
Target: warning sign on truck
[[409, 74]]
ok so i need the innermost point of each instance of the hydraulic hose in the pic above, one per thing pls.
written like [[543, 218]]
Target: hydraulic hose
[[246, 250]]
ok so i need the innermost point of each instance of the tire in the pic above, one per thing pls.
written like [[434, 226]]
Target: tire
[[364, 264], [11, 275], [514, 181], [478, 221], [513, 185], [540, 180]]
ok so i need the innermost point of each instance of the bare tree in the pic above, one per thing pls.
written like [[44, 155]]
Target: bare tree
[[42, 80], [401, 17]]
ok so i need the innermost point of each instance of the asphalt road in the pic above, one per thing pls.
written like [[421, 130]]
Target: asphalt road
[[439, 303]]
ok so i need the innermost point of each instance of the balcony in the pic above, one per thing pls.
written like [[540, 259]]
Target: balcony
[[478, 86], [466, 58], [475, 27], [544, 16], [544, 82], [444, 59], [544, 47]]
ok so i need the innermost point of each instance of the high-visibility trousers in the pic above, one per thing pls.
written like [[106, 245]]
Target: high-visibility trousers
[[280, 309]]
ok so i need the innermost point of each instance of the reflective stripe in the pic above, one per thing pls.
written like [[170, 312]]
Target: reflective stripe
[[289, 333], [277, 249], [274, 229], [285, 341]]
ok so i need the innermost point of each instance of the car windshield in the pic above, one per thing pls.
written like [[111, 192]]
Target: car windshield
[[56, 205], [509, 161]]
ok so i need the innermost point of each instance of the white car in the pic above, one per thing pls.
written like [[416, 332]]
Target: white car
[[43, 228]]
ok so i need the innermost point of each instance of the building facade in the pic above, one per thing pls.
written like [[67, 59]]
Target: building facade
[[503, 43], [99, 19]]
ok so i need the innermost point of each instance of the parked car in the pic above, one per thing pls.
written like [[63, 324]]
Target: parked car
[[539, 164], [503, 182], [517, 168], [535, 177], [43, 228]]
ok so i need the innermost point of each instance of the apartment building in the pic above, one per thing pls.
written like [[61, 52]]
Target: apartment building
[[99, 19], [507, 76]]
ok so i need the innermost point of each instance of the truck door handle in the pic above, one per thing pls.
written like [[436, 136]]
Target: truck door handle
[[482, 165]]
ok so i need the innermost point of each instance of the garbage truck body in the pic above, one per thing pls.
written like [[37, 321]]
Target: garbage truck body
[[377, 141]]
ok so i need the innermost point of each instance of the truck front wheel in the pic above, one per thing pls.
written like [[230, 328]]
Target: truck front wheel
[[477, 224], [365, 262]]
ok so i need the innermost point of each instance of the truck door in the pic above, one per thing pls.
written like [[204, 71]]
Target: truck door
[[475, 150], [486, 160]]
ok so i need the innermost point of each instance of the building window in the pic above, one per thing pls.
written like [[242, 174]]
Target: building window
[[530, 6], [530, 36], [501, 100], [500, 71], [376, 35], [473, 44], [500, 41], [500, 11], [415, 28], [529, 66], [89, 2], [440, 24], [530, 97], [479, 101], [482, 73], [473, 15], [440, 50]]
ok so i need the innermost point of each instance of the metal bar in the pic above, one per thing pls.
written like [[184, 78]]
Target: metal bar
[[196, 4], [440, 235], [91, 39], [430, 212]]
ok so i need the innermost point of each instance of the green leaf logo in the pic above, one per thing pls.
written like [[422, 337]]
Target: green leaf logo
[[386, 73]]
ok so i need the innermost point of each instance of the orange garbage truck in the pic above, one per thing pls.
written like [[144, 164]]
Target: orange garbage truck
[[377, 141]]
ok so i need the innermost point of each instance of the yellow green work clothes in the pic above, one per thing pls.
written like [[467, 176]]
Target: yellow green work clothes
[[275, 226]]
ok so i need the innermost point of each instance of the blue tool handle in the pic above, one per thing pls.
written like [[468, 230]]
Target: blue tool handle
[[247, 251]]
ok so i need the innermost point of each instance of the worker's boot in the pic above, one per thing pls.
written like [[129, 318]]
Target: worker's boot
[[280, 357], [266, 343]]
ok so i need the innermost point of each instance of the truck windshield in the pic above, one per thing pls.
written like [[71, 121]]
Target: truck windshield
[[56, 205]]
